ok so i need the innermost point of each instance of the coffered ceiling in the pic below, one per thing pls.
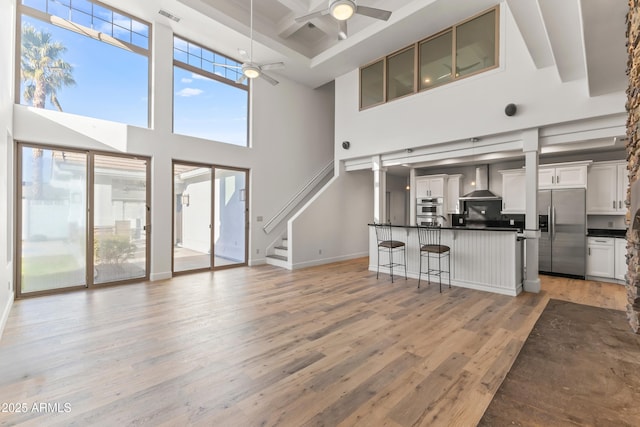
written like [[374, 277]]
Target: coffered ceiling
[[581, 39]]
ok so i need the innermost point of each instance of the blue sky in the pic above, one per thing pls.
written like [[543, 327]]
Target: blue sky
[[112, 84]]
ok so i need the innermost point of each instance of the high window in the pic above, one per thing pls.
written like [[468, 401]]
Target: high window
[[208, 100], [467, 48], [83, 57]]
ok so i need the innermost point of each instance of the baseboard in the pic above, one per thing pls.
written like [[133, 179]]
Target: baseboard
[[5, 313], [160, 276], [323, 261], [259, 261]]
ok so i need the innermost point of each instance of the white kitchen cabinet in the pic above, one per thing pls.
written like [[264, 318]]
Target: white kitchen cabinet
[[607, 184], [453, 194], [563, 175], [620, 258], [601, 257], [513, 191], [430, 186]]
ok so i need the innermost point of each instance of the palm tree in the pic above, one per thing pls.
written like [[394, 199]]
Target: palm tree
[[43, 73]]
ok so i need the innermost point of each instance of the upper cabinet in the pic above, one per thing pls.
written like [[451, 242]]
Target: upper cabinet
[[607, 188], [513, 191], [430, 186], [453, 194], [567, 175]]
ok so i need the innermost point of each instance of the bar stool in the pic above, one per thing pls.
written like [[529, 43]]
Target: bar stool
[[388, 245], [432, 247]]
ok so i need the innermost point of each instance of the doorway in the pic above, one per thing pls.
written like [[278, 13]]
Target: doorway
[[209, 217]]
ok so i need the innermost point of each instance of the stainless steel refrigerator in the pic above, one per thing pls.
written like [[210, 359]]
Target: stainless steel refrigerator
[[562, 220]]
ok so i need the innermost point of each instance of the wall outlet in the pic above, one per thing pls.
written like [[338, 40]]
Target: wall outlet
[[460, 220], [610, 224], [257, 251], [512, 222], [319, 251], [259, 218]]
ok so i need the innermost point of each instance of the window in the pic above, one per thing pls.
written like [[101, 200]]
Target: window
[[435, 60], [209, 101], [372, 84], [469, 47], [89, 48], [400, 74]]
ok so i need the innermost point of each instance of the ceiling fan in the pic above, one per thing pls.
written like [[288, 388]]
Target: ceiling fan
[[250, 69], [342, 10]]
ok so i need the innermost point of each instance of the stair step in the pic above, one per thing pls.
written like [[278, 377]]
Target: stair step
[[277, 260], [281, 251]]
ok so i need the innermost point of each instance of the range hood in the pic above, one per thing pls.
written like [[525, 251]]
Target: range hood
[[482, 186]]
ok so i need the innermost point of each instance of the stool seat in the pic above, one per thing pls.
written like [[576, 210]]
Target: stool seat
[[436, 249], [430, 247], [387, 245]]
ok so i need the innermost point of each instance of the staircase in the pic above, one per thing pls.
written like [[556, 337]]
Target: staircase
[[280, 257]]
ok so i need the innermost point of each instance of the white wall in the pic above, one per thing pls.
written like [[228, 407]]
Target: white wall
[[333, 226], [292, 136], [472, 107], [7, 31]]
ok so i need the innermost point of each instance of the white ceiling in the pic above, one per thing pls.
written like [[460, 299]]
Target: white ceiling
[[582, 39]]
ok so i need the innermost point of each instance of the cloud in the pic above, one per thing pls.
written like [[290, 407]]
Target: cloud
[[188, 91], [198, 77], [186, 80]]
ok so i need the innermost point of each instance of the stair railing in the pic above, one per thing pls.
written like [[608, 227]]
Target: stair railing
[[297, 198]]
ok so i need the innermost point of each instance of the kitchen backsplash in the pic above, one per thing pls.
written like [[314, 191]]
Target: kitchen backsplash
[[606, 221]]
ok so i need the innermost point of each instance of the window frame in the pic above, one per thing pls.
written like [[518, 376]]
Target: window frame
[[188, 67], [87, 32], [416, 45]]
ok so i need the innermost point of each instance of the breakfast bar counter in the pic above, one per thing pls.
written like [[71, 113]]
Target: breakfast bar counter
[[487, 259]]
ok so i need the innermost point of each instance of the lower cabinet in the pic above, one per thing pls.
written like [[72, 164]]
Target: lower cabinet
[[601, 257], [607, 258], [621, 259]]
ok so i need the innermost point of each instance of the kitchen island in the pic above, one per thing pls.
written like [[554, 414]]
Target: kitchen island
[[487, 259]]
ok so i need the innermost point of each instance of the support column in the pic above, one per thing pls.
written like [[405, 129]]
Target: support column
[[412, 197], [531, 146], [379, 191]]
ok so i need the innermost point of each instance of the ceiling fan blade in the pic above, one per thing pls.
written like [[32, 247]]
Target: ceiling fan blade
[[238, 67], [241, 79], [342, 34], [373, 12], [311, 16], [273, 66], [269, 79]]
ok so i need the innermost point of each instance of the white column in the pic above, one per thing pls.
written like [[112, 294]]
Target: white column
[[532, 233], [379, 190], [412, 196]]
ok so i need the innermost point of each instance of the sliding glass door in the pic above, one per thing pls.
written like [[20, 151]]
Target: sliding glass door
[[52, 219], [65, 193], [229, 219], [209, 217], [191, 217], [119, 218]]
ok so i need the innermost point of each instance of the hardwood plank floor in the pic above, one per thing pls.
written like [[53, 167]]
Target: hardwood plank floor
[[327, 345]]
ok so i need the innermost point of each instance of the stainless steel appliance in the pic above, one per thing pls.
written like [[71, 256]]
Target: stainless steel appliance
[[430, 211], [562, 220]]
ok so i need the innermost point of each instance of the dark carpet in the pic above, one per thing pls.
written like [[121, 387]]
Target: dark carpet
[[580, 366]]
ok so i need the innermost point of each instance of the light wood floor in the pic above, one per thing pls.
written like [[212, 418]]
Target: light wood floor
[[328, 345]]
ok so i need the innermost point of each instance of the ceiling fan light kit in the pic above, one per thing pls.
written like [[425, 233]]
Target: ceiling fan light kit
[[342, 9], [250, 71]]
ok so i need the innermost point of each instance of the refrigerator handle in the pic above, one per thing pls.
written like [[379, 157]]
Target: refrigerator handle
[[549, 224], [553, 224]]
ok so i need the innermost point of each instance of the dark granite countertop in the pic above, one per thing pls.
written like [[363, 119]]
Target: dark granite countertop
[[470, 228], [606, 232]]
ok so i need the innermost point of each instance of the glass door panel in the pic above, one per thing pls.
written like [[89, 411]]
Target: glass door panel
[[191, 217], [119, 218], [229, 229], [52, 213]]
